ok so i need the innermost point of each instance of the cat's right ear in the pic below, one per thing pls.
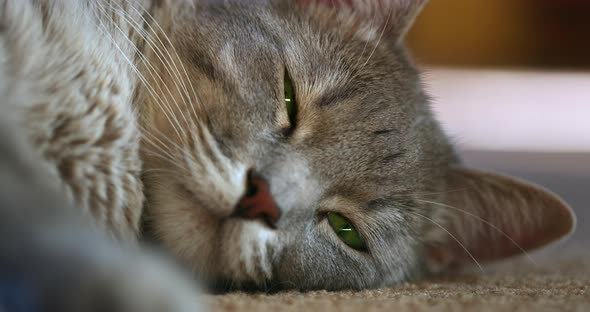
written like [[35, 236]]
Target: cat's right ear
[[390, 18], [491, 216]]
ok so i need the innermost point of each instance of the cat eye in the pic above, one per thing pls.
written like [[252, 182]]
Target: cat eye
[[290, 100], [346, 231]]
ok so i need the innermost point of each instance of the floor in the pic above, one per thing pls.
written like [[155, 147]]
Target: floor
[[557, 286]]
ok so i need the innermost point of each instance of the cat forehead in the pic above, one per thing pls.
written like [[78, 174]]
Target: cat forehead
[[283, 22], [263, 40]]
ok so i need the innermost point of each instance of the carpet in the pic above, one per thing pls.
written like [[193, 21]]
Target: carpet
[[556, 280]]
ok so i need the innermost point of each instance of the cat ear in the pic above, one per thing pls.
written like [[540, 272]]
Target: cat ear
[[394, 17], [494, 217]]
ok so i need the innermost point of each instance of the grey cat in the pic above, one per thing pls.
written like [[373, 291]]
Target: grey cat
[[273, 144]]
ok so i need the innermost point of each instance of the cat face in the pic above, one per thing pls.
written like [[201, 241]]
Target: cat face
[[322, 105]]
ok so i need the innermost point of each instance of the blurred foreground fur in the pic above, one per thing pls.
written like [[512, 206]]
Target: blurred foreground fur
[[51, 259]]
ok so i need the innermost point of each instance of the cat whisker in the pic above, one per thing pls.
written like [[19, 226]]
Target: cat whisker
[[179, 82], [149, 88], [378, 40], [201, 166], [160, 156], [491, 225], [175, 145], [155, 22], [415, 194], [170, 158], [155, 142], [367, 41], [220, 160], [164, 171], [150, 68], [166, 154], [451, 235], [159, 153], [171, 117]]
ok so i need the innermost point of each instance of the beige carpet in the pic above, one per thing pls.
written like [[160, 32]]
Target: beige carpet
[[557, 280]]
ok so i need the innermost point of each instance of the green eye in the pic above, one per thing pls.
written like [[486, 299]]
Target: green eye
[[290, 100], [346, 232]]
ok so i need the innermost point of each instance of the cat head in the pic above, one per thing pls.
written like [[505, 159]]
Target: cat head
[[290, 143]]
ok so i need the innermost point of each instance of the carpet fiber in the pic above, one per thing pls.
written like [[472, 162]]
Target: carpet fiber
[[558, 280]]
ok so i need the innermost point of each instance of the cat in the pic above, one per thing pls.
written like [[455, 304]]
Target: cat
[[271, 144]]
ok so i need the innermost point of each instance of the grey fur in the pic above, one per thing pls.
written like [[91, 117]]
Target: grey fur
[[364, 135]]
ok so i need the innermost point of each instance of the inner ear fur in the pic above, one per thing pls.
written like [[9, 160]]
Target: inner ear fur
[[493, 216], [391, 17]]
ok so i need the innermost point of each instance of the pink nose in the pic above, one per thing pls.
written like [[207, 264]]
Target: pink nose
[[258, 202]]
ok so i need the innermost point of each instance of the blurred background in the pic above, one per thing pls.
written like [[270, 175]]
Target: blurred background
[[510, 80]]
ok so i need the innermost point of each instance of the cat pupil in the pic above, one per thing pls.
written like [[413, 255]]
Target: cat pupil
[[290, 101]]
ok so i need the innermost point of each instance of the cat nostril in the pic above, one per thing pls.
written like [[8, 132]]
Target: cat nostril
[[257, 202]]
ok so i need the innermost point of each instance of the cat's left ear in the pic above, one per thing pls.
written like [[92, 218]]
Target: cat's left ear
[[491, 216], [393, 18]]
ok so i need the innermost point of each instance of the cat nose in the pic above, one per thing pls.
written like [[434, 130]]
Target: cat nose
[[257, 202]]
